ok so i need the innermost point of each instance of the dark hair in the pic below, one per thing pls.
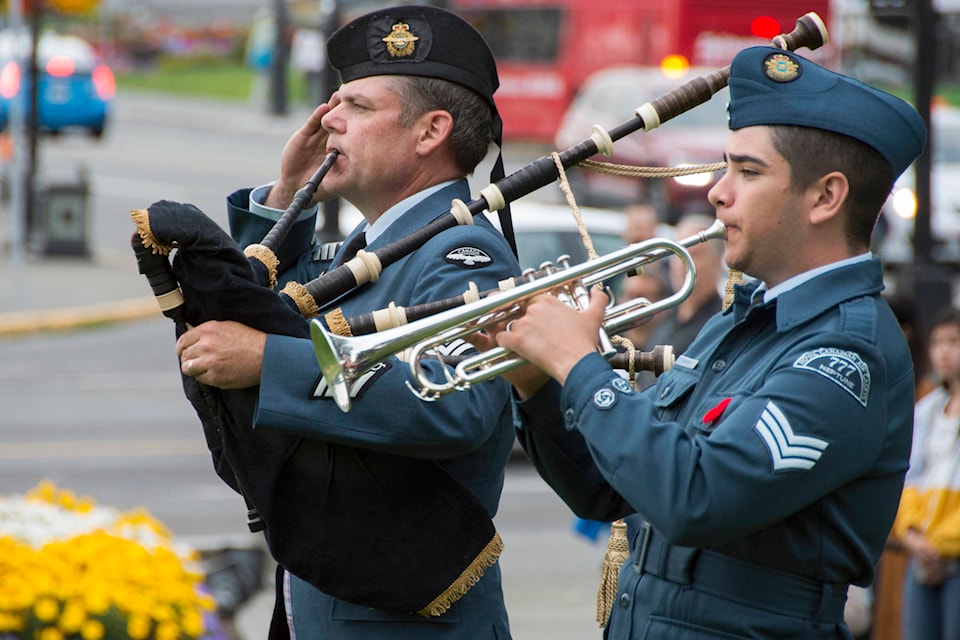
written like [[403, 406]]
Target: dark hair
[[945, 317], [813, 153], [472, 118]]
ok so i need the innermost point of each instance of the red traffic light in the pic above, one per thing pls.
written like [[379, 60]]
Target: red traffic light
[[765, 27]]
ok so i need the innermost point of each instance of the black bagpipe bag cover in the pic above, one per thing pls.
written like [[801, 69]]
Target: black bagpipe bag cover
[[371, 528]]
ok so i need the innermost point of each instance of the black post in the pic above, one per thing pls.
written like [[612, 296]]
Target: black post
[[279, 60], [330, 230], [925, 75], [31, 124], [928, 280]]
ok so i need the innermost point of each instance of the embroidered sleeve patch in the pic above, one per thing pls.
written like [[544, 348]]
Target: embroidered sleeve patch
[[456, 348], [359, 386], [844, 368], [604, 399], [468, 258], [788, 450]]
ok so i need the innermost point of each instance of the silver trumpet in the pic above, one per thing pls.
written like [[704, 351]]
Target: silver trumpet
[[344, 359]]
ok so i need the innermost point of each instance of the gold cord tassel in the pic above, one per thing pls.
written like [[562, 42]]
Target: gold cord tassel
[[306, 304], [267, 258], [338, 323], [617, 552], [734, 278]]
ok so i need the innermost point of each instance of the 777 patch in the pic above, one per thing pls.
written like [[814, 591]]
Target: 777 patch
[[844, 368]]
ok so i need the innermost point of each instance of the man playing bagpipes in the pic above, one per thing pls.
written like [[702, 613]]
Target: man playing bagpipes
[[414, 116]]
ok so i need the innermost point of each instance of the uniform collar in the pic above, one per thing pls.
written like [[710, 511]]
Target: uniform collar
[[801, 299], [381, 224], [416, 211]]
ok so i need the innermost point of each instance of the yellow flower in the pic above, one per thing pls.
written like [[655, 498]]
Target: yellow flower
[[120, 567], [10, 622], [138, 627], [46, 609], [97, 600], [167, 631], [192, 623], [72, 618], [50, 633], [92, 630], [43, 491]]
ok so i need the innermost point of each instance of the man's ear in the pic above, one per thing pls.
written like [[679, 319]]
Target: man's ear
[[829, 196], [435, 129]]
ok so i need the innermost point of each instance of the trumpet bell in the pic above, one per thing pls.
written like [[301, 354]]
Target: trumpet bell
[[326, 347]]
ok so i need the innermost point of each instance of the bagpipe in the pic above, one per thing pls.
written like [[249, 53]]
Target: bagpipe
[[374, 529]]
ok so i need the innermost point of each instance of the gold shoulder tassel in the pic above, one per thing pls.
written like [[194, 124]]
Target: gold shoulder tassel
[[470, 576], [618, 548]]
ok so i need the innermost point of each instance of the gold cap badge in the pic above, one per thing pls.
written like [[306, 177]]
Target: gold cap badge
[[780, 67], [400, 42]]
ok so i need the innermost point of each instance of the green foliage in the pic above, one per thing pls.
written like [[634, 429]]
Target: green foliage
[[205, 76]]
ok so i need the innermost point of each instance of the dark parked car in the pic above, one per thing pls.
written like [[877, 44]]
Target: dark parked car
[[609, 97], [75, 90]]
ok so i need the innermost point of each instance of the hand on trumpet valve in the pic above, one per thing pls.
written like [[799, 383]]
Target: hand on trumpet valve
[[553, 336], [526, 378]]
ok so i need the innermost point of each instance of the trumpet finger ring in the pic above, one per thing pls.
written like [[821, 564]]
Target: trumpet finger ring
[[190, 368]]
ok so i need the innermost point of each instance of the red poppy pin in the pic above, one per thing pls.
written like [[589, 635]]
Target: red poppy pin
[[714, 414]]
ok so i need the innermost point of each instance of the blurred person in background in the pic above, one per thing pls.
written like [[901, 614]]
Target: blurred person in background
[[651, 286], [928, 522], [643, 223], [680, 325]]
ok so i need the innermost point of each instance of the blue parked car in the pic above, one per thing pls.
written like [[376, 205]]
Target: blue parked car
[[76, 87]]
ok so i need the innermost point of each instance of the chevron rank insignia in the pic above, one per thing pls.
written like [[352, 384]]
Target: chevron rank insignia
[[359, 386], [846, 369], [788, 450], [468, 258]]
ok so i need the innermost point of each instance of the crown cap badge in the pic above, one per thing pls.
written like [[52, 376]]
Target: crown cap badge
[[780, 67], [401, 42]]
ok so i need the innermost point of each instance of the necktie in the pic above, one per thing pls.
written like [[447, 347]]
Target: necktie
[[350, 249]]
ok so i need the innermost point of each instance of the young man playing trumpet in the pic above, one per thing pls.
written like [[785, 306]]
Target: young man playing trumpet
[[760, 476]]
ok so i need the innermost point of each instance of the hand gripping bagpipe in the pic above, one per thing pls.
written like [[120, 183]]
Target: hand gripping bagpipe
[[374, 529]]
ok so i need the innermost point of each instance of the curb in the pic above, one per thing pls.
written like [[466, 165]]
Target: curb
[[63, 319]]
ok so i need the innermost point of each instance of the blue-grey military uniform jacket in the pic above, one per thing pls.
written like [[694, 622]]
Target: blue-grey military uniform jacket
[[469, 434], [763, 471]]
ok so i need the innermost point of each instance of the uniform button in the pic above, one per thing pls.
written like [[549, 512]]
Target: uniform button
[[666, 390], [719, 366], [569, 416], [624, 599]]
